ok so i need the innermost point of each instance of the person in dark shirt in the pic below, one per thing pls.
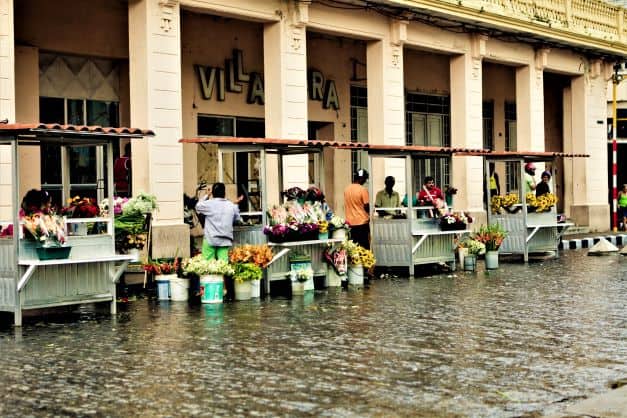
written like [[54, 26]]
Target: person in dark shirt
[[543, 188]]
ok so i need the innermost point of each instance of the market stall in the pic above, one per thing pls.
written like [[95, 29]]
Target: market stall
[[531, 219], [41, 266], [242, 162], [414, 233]]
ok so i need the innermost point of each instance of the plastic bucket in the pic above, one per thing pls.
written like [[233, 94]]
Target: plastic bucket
[[211, 288], [255, 289], [339, 233], [356, 275], [470, 262], [179, 289], [492, 260], [243, 290], [163, 287], [333, 279]]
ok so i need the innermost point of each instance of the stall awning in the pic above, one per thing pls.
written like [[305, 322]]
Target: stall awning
[[316, 144], [41, 131], [532, 155]]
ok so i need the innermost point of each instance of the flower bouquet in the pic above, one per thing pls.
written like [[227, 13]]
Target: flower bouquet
[[260, 255], [455, 221], [337, 258], [200, 266], [159, 267], [118, 205], [245, 272], [541, 203], [506, 202], [48, 230], [491, 236], [358, 254], [81, 208]]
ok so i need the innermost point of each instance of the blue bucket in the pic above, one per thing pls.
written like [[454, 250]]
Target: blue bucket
[[163, 289], [211, 288]]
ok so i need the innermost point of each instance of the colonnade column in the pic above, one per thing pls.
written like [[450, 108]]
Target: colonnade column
[[530, 103], [155, 96], [386, 100], [588, 189], [7, 101], [466, 124], [285, 78]]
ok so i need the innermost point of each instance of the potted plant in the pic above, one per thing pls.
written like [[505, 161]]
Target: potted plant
[[492, 237], [338, 227], [48, 231], [163, 271], [358, 259], [337, 258], [474, 249], [244, 274], [302, 281], [211, 276], [454, 221], [261, 255]]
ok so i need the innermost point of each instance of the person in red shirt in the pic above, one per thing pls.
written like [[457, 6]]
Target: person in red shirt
[[357, 209], [431, 195], [122, 173]]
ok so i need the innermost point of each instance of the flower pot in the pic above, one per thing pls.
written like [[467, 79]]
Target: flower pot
[[323, 235], [243, 290], [308, 284], [339, 233], [163, 285], [255, 289], [298, 288], [53, 253], [470, 262], [211, 288], [492, 259], [462, 253], [333, 279], [356, 275], [179, 289]]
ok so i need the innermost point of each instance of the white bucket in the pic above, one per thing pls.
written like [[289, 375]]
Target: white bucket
[[334, 279], [309, 284], [243, 290], [163, 285], [179, 289], [298, 288], [255, 289], [356, 275], [339, 233]]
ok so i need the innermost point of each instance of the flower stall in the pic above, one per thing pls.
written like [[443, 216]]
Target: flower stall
[[41, 264], [531, 222], [418, 232], [285, 220]]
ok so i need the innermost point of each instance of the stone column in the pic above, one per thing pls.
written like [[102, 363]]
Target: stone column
[[386, 100], [7, 102], [155, 95], [530, 103], [589, 189], [466, 125], [285, 78]]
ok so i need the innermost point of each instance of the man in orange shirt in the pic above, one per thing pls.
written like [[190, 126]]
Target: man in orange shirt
[[357, 208]]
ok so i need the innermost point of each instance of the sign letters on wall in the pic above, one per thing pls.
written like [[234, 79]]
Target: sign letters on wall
[[216, 81]]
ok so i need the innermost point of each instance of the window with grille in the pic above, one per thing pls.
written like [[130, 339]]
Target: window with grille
[[512, 172], [359, 125], [488, 124]]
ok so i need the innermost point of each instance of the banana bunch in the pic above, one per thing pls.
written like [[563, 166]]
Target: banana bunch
[[542, 203]]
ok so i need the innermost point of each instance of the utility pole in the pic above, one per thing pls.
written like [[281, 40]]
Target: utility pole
[[617, 77]]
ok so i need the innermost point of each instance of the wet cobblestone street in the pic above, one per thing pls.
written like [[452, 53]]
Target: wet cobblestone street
[[524, 340]]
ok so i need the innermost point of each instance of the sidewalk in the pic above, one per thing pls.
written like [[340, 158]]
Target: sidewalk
[[587, 240]]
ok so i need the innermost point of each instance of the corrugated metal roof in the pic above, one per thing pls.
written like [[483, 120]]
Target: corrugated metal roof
[[60, 130]]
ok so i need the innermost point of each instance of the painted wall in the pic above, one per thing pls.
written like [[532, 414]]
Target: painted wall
[[499, 86], [426, 72]]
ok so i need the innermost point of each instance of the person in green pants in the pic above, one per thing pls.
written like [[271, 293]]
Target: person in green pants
[[220, 215]]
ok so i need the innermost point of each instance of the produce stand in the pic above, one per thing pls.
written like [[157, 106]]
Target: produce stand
[[416, 239], [279, 268], [90, 272], [528, 231]]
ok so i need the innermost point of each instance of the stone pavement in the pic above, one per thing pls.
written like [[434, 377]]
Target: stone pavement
[[612, 404]]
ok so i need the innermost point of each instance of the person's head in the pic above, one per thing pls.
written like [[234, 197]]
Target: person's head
[[218, 190], [389, 182], [546, 176], [429, 182], [32, 200], [361, 176], [491, 168], [624, 188], [314, 194], [530, 168]]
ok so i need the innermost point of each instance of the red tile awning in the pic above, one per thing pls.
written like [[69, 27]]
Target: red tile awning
[[373, 148], [52, 129]]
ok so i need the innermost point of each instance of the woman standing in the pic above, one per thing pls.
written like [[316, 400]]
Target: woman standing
[[622, 206]]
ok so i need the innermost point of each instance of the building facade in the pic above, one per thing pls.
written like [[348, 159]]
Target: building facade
[[515, 75]]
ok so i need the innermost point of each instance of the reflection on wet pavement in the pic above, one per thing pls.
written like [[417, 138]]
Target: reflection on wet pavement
[[525, 339]]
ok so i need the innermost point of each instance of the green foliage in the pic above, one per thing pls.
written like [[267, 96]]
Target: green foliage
[[245, 272], [142, 204], [200, 266]]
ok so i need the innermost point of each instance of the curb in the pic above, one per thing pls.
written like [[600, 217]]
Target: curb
[[575, 244]]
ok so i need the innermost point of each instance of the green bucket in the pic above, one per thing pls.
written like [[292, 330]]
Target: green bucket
[[211, 288]]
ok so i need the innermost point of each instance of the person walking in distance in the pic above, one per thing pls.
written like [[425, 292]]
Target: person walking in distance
[[357, 209], [220, 215], [622, 206]]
